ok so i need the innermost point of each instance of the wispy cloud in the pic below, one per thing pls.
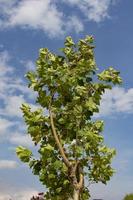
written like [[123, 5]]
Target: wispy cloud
[[4, 67], [117, 100], [13, 92], [8, 164], [28, 64], [94, 10], [5, 125], [20, 139], [75, 23], [12, 106], [8, 87]]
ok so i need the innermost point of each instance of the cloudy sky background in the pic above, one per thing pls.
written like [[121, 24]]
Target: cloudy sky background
[[28, 25]]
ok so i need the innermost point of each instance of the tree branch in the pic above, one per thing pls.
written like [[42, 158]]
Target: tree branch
[[81, 181], [65, 159]]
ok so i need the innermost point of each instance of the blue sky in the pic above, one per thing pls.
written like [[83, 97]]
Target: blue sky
[[28, 25]]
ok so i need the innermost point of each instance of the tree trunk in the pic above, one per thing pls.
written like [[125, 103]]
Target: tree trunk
[[76, 194]]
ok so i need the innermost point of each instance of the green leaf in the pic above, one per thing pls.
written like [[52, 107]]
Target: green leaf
[[43, 52], [23, 154], [110, 75], [89, 39], [51, 176], [91, 105], [65, 182], [49, 147], [69, 42], [99, 125], [57, 164], [58, 190]]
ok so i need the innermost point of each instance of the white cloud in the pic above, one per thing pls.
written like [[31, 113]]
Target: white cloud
[[117, 100], [8, 164], [49, 16], [6, 73], [74, 23], [12, 90], [21, 139], [12, 106], [94, 10], [35, 14]]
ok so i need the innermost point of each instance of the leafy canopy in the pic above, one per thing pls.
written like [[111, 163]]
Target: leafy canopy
[[71, 146]]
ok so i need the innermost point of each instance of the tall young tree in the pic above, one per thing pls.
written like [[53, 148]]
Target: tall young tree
[[71, 147]]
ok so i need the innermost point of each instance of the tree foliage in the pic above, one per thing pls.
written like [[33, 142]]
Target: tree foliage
[[71, 146]]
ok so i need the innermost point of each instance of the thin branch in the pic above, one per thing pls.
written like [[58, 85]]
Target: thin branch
[[65, 159]]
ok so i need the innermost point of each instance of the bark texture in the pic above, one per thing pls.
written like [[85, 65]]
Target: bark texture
[[76, 194]]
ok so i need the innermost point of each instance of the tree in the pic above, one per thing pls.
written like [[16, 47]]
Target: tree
[[128, 197], [71, 147]]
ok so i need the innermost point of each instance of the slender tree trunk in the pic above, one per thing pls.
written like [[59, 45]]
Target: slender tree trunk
[[76, 194]]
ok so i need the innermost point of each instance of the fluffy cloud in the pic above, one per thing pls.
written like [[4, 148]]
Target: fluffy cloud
[[48, 15], [117, 100], [37, 15], [34, 14], [8, 164]]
